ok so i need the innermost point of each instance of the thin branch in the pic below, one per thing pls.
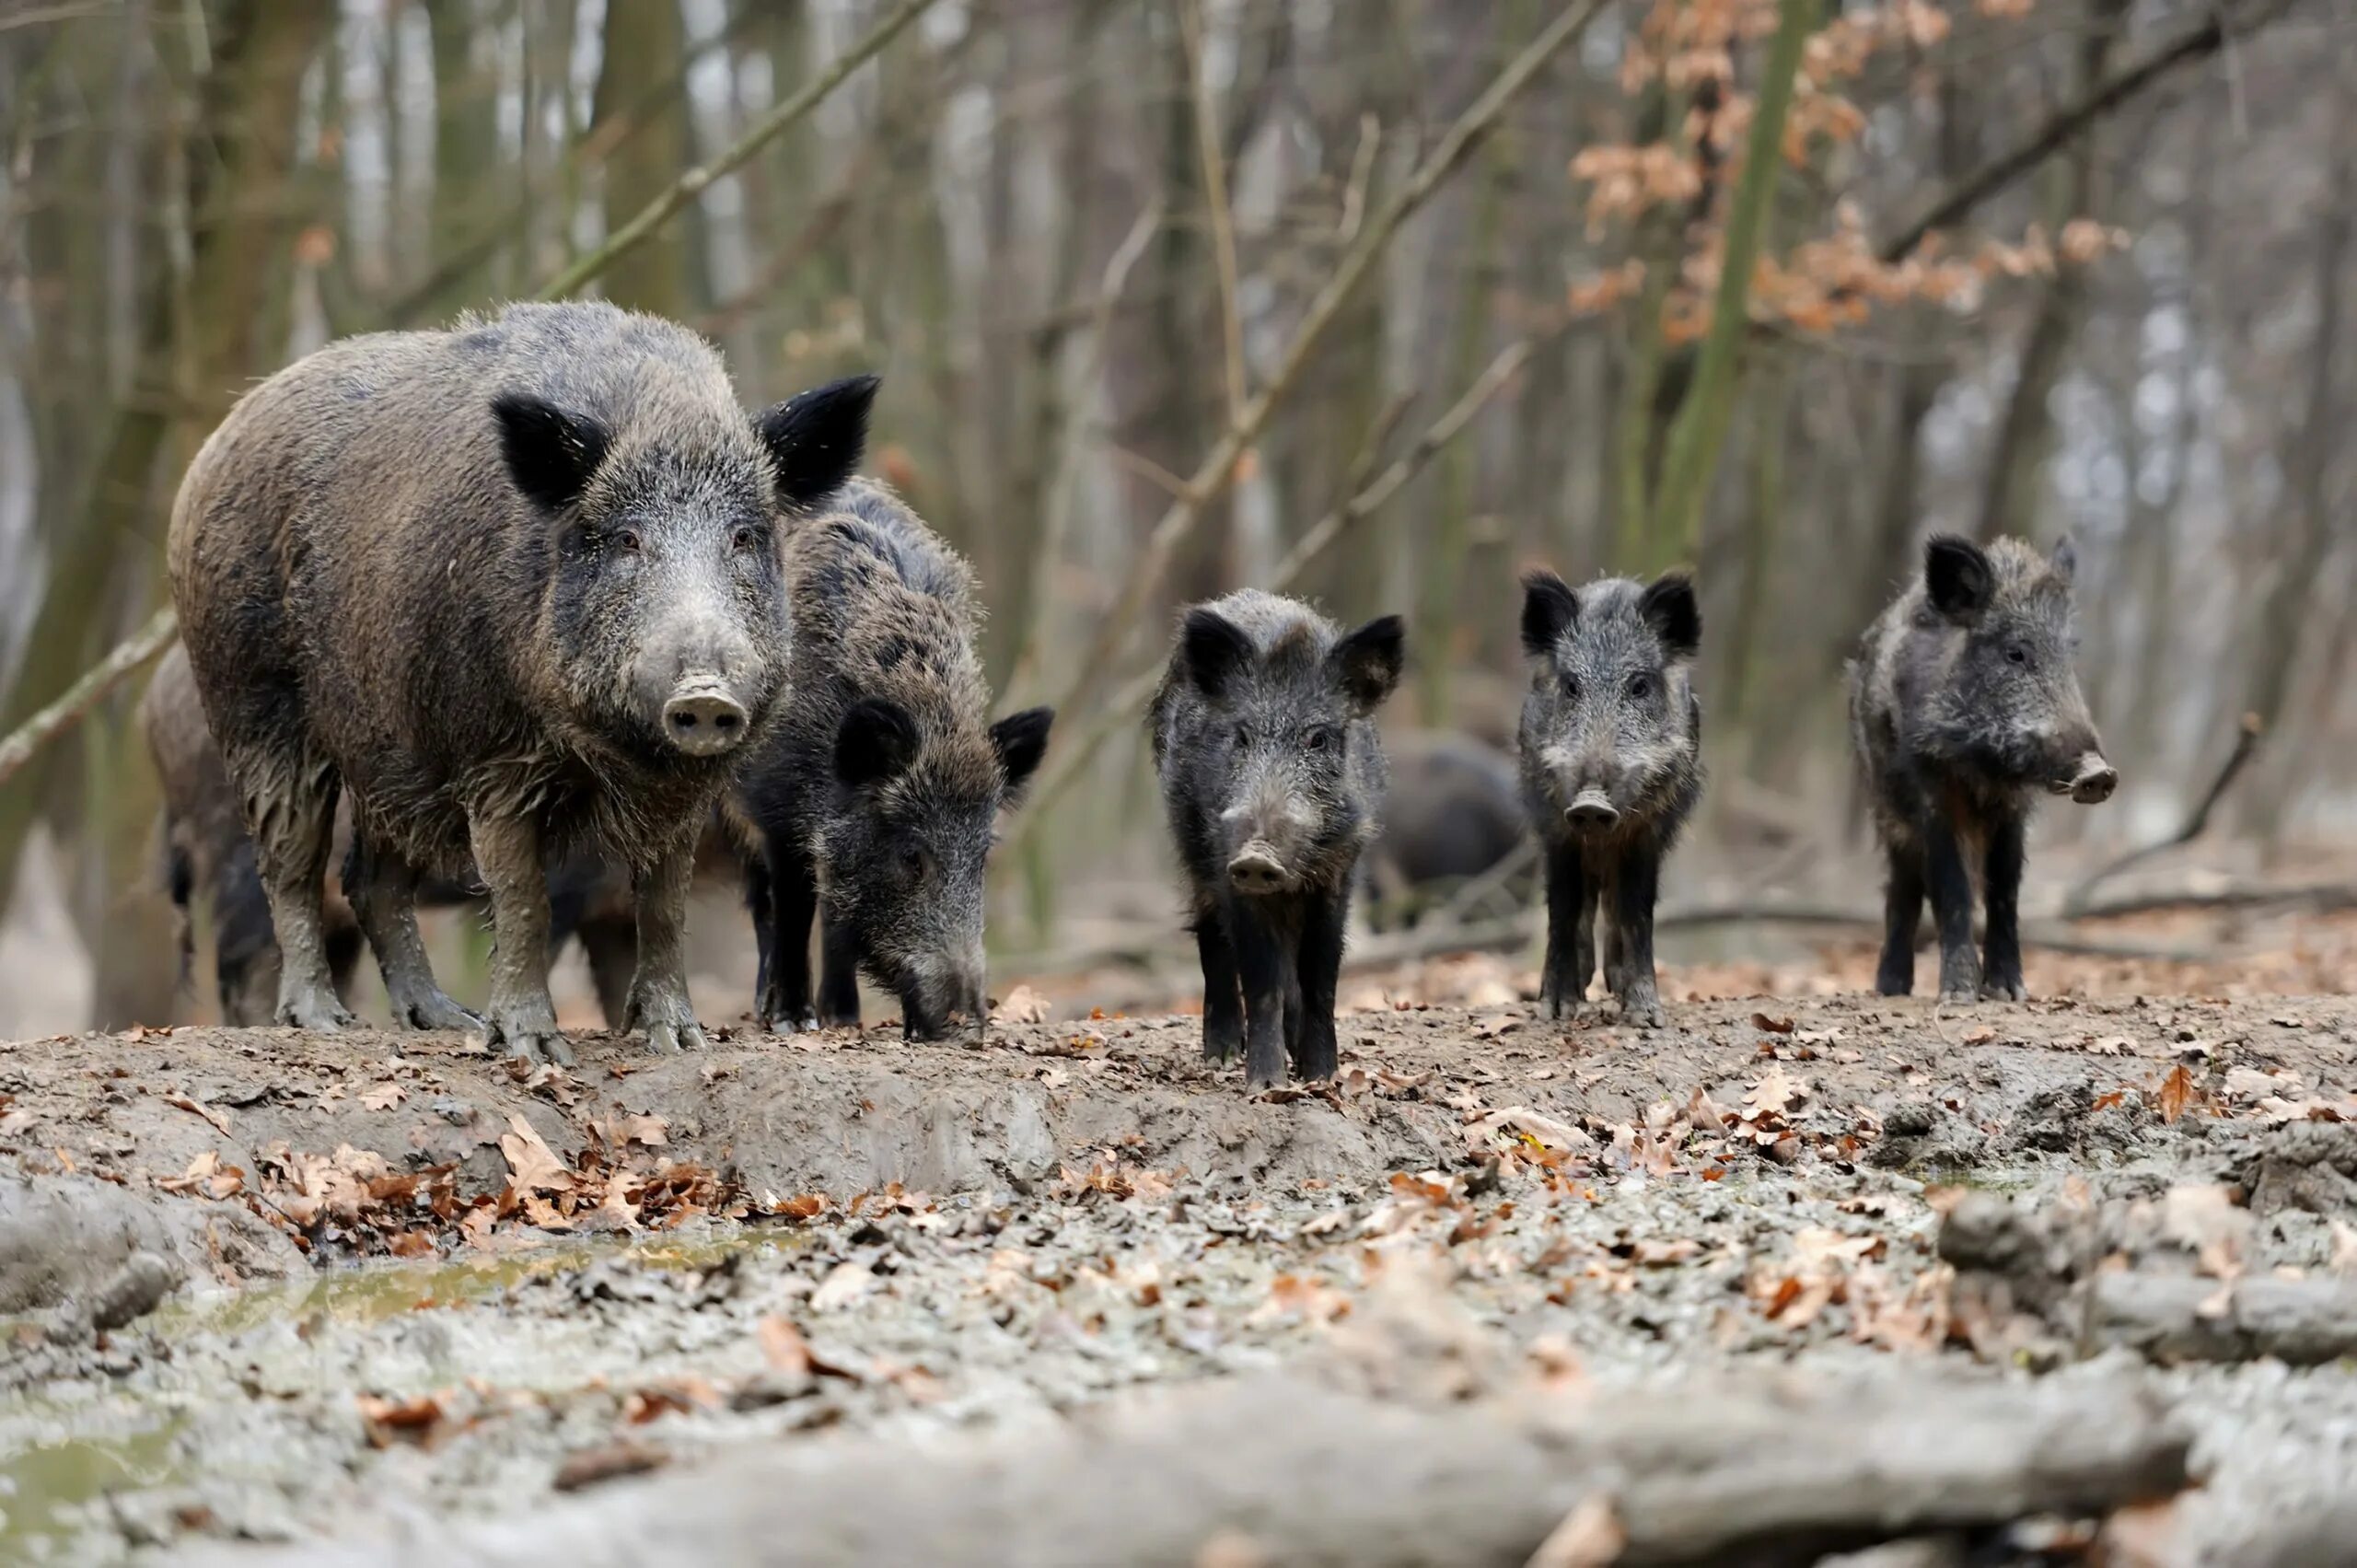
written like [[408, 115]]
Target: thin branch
[[2043, 142], [2246, 738], [1361, 178], [84, 694], [1066, 485], [1072, 757], [1222, 215], [1218, 467], [767, 128]]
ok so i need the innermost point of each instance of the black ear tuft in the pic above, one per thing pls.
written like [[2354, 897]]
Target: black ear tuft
[[1021, 740], [1549, 607], [816, 438], [876, 742], [550, 453], [2065, 559], [1670, 608], [1366, 663], [1957, 576], [1212, 650]]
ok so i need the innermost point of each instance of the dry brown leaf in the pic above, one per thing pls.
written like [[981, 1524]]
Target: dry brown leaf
[[384, 1096], [1591, 1535], [608, 1461], [847, 1284], [207, 1175], [1022, 1005], [783, 1345], [391, 1421], [535, 1164], [1775, 1093], [1767, 1024], [198, 1108], [2175, 1093]]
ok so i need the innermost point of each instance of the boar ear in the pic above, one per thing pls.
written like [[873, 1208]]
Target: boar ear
[[1214, 650], [1367, 662], [816, 438], [1549, 607], [1957, 576], [1020, 740], [2065, 559], [550, 453], [1670, 608], [876, 742]]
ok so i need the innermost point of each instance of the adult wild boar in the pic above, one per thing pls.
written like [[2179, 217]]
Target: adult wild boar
[[871, 804], [1963, 704], [518, 586], [1273, 777], [1611, 748]]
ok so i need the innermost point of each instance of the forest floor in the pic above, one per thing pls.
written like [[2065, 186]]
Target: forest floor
[[416, 1292]]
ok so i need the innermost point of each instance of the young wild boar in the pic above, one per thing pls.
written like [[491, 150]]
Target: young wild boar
[[1272, 776], [1963, 703], [518, 586], [1453, 811], [1611, 766], [872, 804]]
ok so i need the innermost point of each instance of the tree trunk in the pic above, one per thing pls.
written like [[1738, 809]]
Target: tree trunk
[[643, 48]]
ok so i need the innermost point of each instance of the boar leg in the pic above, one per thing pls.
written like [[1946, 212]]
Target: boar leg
[[1634, 886], [291, 827], [1260, 968], [1571, 953], [792, 903], [1902, 911], [1951, 892], [1319, 964], [2001, 971], [838, 976], [383, 889], [1222, 1002], [658, 994], [520, 1017]]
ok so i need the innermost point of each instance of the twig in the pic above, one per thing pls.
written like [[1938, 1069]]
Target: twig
[[2247, 739], [1066, 485], [769, 127], [1362, 176], [122, 660], [1121, 709], [1478, 889], [1218, 467], [1222, 215], [2065, 124]]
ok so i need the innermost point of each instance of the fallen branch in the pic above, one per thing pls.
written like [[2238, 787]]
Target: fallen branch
[[121, 661], [2170, 1318], [1251, 1470], [2247, 741]]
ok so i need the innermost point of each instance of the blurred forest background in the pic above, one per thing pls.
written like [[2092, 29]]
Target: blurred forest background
[[1380, 301]]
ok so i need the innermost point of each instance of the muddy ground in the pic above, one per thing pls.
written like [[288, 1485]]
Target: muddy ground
[[413, 1282]]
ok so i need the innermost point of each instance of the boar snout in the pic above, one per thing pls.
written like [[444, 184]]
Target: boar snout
[[703, 720], [2094, 780], [930, 1006], [1592, 811], [1258, 869]]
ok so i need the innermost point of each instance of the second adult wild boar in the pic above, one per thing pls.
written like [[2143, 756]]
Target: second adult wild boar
[[1612, 767], [1273, 777], [873, 801], [1965, 704], [518, 586]]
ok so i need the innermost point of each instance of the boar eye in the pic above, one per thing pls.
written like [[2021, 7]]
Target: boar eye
[[2017, 653], [743, 537], [1571, 688], [1641, 686], [1318, 739], [912, 861], [626, 540], [1244, 737]]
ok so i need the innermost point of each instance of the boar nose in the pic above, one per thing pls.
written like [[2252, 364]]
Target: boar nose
[[1590, 812], [2094, 780], [1257, 869], [704, 721]]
